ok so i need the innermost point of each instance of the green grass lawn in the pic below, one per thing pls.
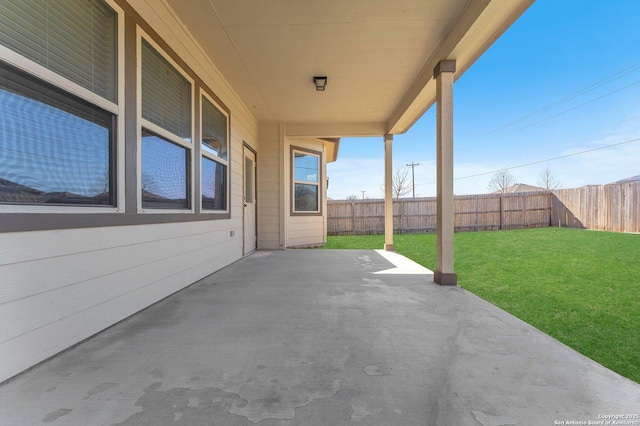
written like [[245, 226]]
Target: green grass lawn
[[581, 287]]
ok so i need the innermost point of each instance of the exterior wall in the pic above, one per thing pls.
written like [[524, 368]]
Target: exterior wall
[[306, 230], [270, 195], [59, 286]]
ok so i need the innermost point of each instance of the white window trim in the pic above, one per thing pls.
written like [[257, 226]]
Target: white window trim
[[30, 67], [318, 155], [154, 128], [213, 157]]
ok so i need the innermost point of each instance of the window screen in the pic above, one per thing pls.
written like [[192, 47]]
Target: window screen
[[74, 38], [54, 147], [214, 129], [165, 167], [214, 185], [166, 94]]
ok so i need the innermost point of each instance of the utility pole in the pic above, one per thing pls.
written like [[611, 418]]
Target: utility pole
[[363, 194], [413, 179]]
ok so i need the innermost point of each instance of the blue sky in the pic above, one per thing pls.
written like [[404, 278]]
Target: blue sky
[[564, 79]]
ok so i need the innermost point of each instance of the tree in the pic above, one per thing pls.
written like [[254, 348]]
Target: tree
[[400, 183], [149, 183], [548, 181], [501, 180], [351, 197]]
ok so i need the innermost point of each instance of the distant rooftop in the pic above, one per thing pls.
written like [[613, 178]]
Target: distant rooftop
[[631, 179], [523, 187]]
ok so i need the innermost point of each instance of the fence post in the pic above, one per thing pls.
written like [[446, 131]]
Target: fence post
[[501, 210], [353, 218], [550, 195]]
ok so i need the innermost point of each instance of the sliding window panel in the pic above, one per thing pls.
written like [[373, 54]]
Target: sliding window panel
[[54, 148], [165, 171]]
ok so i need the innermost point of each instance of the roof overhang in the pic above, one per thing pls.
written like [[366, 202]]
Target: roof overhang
[[378, 55], [331, 146]]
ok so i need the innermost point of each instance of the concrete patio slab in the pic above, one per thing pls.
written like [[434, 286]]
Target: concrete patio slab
[[319, 337]]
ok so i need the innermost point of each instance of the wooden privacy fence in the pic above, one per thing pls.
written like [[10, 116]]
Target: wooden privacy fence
[[614, 207], [472, 213]]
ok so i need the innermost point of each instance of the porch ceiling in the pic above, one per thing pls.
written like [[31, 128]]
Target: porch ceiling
[[378, 55]]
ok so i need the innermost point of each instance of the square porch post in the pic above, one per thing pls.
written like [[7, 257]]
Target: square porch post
[[443, 73], [388, 193]]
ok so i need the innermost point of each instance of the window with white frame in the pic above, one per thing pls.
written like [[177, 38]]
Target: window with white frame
[[214, 148], [306, 197], [166, 147], [57, 141]]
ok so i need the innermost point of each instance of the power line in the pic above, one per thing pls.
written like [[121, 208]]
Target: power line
[[570, 109], [554, 158], [542, 161], [567, 98], [553, 105]]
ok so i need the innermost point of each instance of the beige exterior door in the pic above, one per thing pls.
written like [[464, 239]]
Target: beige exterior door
[[249, 200]]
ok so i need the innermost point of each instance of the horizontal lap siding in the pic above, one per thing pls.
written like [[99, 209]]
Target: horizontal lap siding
[[305, 231], [268, 188], [90, 279]]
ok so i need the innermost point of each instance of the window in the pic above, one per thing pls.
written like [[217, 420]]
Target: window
[[166, 133], [58, 142], [214, 156], [306, 181], [164, 173], [76, 39]]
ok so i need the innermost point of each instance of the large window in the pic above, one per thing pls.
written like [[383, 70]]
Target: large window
[[64, 118], [306, 181], [166, 133], [58, 143], [214, 156]]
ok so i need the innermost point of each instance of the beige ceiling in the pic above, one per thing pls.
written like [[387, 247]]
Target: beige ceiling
[[378, 55]]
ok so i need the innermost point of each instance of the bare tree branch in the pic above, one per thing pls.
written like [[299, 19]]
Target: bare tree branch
[[501, 180], [548, 181], [400, 183]]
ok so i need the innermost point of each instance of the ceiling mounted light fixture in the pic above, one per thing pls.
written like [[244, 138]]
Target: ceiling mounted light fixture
[[320, 82]]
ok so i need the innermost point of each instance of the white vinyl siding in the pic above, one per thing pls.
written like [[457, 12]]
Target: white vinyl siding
[[306, 231], [270, 189], [95, 278]]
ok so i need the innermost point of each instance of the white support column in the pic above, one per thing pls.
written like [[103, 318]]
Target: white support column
[[443, 73], [388, 193]]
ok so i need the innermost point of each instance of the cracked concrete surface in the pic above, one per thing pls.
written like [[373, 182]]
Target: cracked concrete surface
[[313, 337]]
